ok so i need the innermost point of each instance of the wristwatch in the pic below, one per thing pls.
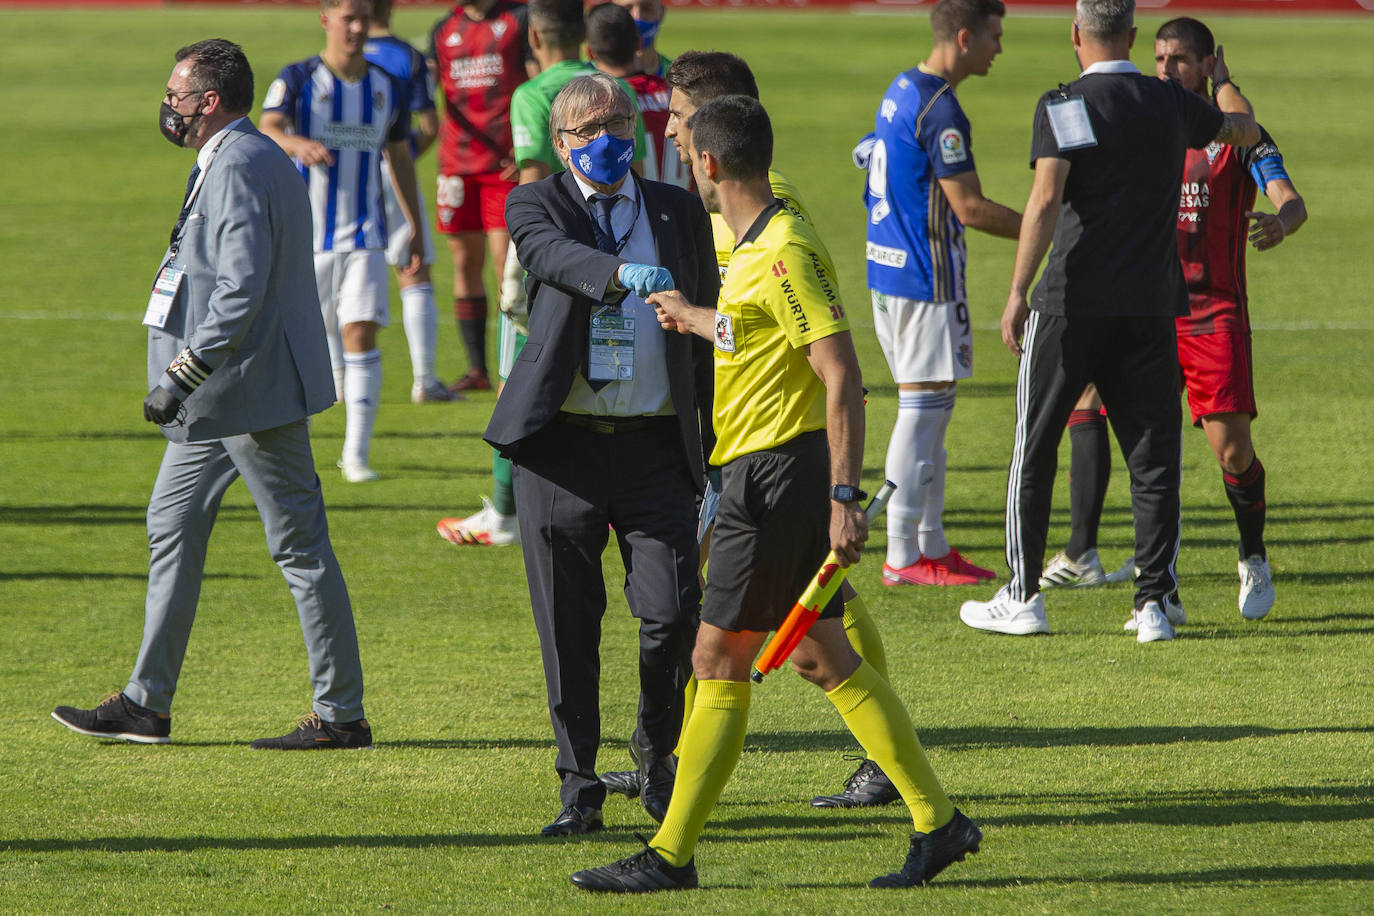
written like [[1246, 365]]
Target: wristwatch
[[1216, 87], [844, 493]]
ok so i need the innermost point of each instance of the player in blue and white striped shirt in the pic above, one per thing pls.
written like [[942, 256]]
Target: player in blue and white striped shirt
[[338, 115], [922, 191]]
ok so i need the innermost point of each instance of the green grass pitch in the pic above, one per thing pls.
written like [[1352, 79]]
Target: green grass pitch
[[1228, 771]]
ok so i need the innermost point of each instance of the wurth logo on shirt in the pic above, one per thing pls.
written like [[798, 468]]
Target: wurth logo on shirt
[[794, 305], [779, 269]]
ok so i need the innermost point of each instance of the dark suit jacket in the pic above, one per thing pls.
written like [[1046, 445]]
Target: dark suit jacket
[[552, 230]]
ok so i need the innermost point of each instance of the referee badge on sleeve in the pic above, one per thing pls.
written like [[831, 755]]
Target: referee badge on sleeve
[[725, 333]]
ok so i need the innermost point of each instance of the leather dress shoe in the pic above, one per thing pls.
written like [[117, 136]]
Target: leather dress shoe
[[623, 782], [574, 820], [657, 776]]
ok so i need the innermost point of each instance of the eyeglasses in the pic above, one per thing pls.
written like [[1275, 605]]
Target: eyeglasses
[[174, 98], [620, 126]]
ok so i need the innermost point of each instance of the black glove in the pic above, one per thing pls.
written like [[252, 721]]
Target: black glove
[[161, 406]]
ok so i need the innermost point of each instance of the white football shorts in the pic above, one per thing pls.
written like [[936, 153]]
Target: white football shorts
[[398, 230], [353, 287], [924, 341]]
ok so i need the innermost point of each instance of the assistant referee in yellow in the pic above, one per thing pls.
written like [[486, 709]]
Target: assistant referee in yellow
[[789, 423]]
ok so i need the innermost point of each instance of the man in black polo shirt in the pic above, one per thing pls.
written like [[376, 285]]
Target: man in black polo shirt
[[1108, 152]]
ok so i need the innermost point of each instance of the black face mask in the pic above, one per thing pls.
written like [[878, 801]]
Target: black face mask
[[173, 125]]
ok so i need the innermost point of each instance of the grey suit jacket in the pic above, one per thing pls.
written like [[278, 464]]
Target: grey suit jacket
[[247, 307]]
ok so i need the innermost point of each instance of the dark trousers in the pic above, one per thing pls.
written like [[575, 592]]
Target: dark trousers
[[1134, 364], [570, 483]]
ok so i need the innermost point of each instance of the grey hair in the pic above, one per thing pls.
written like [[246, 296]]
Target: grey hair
[[595, 90], [1105, 18]]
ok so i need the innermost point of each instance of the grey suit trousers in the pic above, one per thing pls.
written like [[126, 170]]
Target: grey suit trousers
[[279, 471]]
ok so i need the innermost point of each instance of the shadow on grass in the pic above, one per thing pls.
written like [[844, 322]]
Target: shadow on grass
[[995, 737], [77, 575], [1255, 874]]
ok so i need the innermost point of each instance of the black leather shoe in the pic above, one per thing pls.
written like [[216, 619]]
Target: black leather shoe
[[574, 821], [313, 733], [867, 787], [656, 778], [931, 852], [623, 782], [117, 716], [641, 873]]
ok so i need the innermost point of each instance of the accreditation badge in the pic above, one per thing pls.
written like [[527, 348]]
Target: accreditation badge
[[611, 344], [164, 294]]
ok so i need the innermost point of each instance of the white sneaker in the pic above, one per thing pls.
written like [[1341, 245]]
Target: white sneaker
[[1256, 587], [485, 528], [1151, 625], [1003, 614], [1173, 612], [1126, 573], [357, 473], [1085, 572]]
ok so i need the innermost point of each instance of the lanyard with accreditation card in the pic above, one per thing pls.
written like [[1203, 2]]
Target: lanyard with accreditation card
[[170, 274], [611, 341], [1069, 121]]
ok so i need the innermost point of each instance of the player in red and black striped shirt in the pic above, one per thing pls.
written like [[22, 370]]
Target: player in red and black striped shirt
[[478, 52]]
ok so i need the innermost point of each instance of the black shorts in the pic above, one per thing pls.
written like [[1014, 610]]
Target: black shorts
[[772, 534]]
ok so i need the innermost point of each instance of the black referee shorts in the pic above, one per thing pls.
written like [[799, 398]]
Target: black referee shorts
[[772, 534]]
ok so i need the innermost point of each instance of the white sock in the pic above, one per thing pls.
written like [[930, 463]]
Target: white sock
[[362, 392], [931, 534], [912, 452], [421, 320]]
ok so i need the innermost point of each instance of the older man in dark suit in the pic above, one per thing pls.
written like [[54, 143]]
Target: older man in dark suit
[[237, 360], [604, 416]]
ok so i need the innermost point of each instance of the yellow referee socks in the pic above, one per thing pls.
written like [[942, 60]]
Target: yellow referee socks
[[689, 697], [863, 634], [711, 747], [879, 721]]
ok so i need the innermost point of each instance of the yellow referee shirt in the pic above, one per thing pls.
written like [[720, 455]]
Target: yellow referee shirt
[[779, 295], [783, 190]]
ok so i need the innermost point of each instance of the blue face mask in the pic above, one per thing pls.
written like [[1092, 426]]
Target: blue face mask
[[648, 31], [605, 160]]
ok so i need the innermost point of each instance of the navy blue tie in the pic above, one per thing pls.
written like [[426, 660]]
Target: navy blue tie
[[605, 235], [185, 207]]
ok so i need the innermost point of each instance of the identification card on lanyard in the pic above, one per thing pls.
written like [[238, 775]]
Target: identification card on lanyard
[[164, 294], [612, 346], [1069, 121]]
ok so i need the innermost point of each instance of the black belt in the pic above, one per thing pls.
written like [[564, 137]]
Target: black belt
[[608, 426]]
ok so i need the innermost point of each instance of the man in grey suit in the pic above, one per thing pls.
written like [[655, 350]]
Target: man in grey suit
[[237, 360]]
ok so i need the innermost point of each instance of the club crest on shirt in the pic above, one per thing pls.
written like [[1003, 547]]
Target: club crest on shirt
[[1213, 150], [453, 40], [725, 333], [952, 146], [378, 100], [498, 29]]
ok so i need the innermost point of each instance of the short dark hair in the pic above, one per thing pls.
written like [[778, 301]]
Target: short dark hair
[[381, 11], [736, 130], [707, 75], [220, 65], [1190, 33], [559, 22], [611, 34], [947, 17]]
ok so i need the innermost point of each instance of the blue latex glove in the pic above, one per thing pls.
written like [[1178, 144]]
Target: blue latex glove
[[643, 279]]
